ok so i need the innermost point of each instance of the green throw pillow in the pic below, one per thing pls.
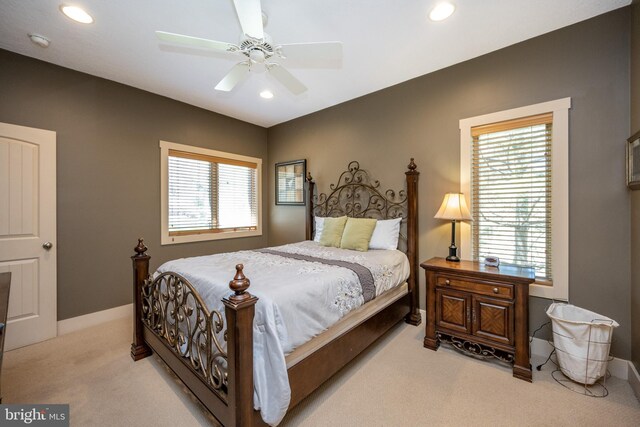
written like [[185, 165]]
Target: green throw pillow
[[357, 234], [332, 231]]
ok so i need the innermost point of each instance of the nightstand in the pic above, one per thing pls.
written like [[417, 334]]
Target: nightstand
[[482, 311]]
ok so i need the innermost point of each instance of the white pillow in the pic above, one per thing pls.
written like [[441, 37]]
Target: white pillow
[[386, 234], [319, 227]]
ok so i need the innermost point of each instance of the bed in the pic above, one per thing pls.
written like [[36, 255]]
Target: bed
[[209, 337]]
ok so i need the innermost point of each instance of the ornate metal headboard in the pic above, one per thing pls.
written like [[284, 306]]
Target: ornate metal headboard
[[358, 196]]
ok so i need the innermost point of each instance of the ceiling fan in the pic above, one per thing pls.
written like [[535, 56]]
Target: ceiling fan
[[259, 50]]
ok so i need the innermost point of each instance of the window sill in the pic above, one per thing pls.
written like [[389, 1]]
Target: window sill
[[545, 290], [203, 237]]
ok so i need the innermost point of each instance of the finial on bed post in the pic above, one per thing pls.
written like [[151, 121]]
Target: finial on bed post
[[412, 166], [139, 348], [239, 285], [412, 174], [309, 206], [140, 249]]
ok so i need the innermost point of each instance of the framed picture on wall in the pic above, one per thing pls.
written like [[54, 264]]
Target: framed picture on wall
[[290, 182], [633, 161]]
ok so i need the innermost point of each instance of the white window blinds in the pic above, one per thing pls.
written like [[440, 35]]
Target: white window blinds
[[211, 194], [511, 192]]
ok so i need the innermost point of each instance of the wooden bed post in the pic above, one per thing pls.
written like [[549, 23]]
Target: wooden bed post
[[139, 350], [239, 311], [309, 206], [412, 174]]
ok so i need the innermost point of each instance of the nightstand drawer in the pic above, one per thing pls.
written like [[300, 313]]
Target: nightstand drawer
[[498, 290]]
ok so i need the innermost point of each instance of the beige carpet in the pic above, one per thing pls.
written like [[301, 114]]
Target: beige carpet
[[395, 383]]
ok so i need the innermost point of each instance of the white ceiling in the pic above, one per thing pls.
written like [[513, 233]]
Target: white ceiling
[[385, 42]]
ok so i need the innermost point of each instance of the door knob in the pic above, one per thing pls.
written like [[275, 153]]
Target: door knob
[[47, 245]]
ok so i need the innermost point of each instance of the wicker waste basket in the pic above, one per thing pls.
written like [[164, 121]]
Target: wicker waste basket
[[582, 340]]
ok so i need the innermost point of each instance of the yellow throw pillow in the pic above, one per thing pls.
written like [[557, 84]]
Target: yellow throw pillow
[[357, 234], [332, 231]]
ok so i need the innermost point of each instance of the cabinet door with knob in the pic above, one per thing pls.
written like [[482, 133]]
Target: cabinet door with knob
[[492, 319], [453, 310]]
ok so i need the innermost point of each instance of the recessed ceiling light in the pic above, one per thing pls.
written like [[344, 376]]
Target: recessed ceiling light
[[266, 94], [76, 13], [442, 11]]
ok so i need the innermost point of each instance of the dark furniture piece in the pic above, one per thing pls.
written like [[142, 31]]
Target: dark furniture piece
[[222, 379], [5, 285], [482, 311]]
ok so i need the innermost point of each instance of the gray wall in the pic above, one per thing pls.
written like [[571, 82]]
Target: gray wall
[[635, 195], [109, 171], [588, 62]]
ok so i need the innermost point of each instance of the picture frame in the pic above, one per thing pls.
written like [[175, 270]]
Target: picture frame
[[633, 161], [290, 178]]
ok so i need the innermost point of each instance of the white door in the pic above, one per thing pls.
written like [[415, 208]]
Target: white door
[[28, 232]]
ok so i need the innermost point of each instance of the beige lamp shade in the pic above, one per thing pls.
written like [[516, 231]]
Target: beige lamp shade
[[454, 207]]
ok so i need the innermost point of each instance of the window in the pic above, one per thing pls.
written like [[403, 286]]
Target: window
[[514, 171], [511, 192], [208, 195]]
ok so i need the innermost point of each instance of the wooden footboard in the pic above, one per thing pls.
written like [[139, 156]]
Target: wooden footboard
[[172, 320]]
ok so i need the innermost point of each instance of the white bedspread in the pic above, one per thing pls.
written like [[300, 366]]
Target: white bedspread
[[297, 301]]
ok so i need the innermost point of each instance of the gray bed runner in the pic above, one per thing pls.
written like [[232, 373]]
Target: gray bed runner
[[363, 273]]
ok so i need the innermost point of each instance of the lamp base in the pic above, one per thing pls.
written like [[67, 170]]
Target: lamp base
[[453, 254]]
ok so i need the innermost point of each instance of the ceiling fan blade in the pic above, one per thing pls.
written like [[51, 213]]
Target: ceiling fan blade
[[287, 79], [250, 17], [233, 77], [196, 42], [320, 51]]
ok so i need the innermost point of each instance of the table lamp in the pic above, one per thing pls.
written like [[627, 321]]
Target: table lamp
[[454, 208]]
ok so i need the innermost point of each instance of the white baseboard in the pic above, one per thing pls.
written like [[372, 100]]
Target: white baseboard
[[634, 380], [618, 368], [73, 324]]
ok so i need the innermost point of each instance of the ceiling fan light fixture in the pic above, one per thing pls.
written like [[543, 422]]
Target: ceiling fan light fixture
[[76, 13], [266, 94], [257, 56], [441, 11]]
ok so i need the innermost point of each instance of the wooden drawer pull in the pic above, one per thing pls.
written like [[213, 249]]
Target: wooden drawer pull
[[496, 290], [447, 282]]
